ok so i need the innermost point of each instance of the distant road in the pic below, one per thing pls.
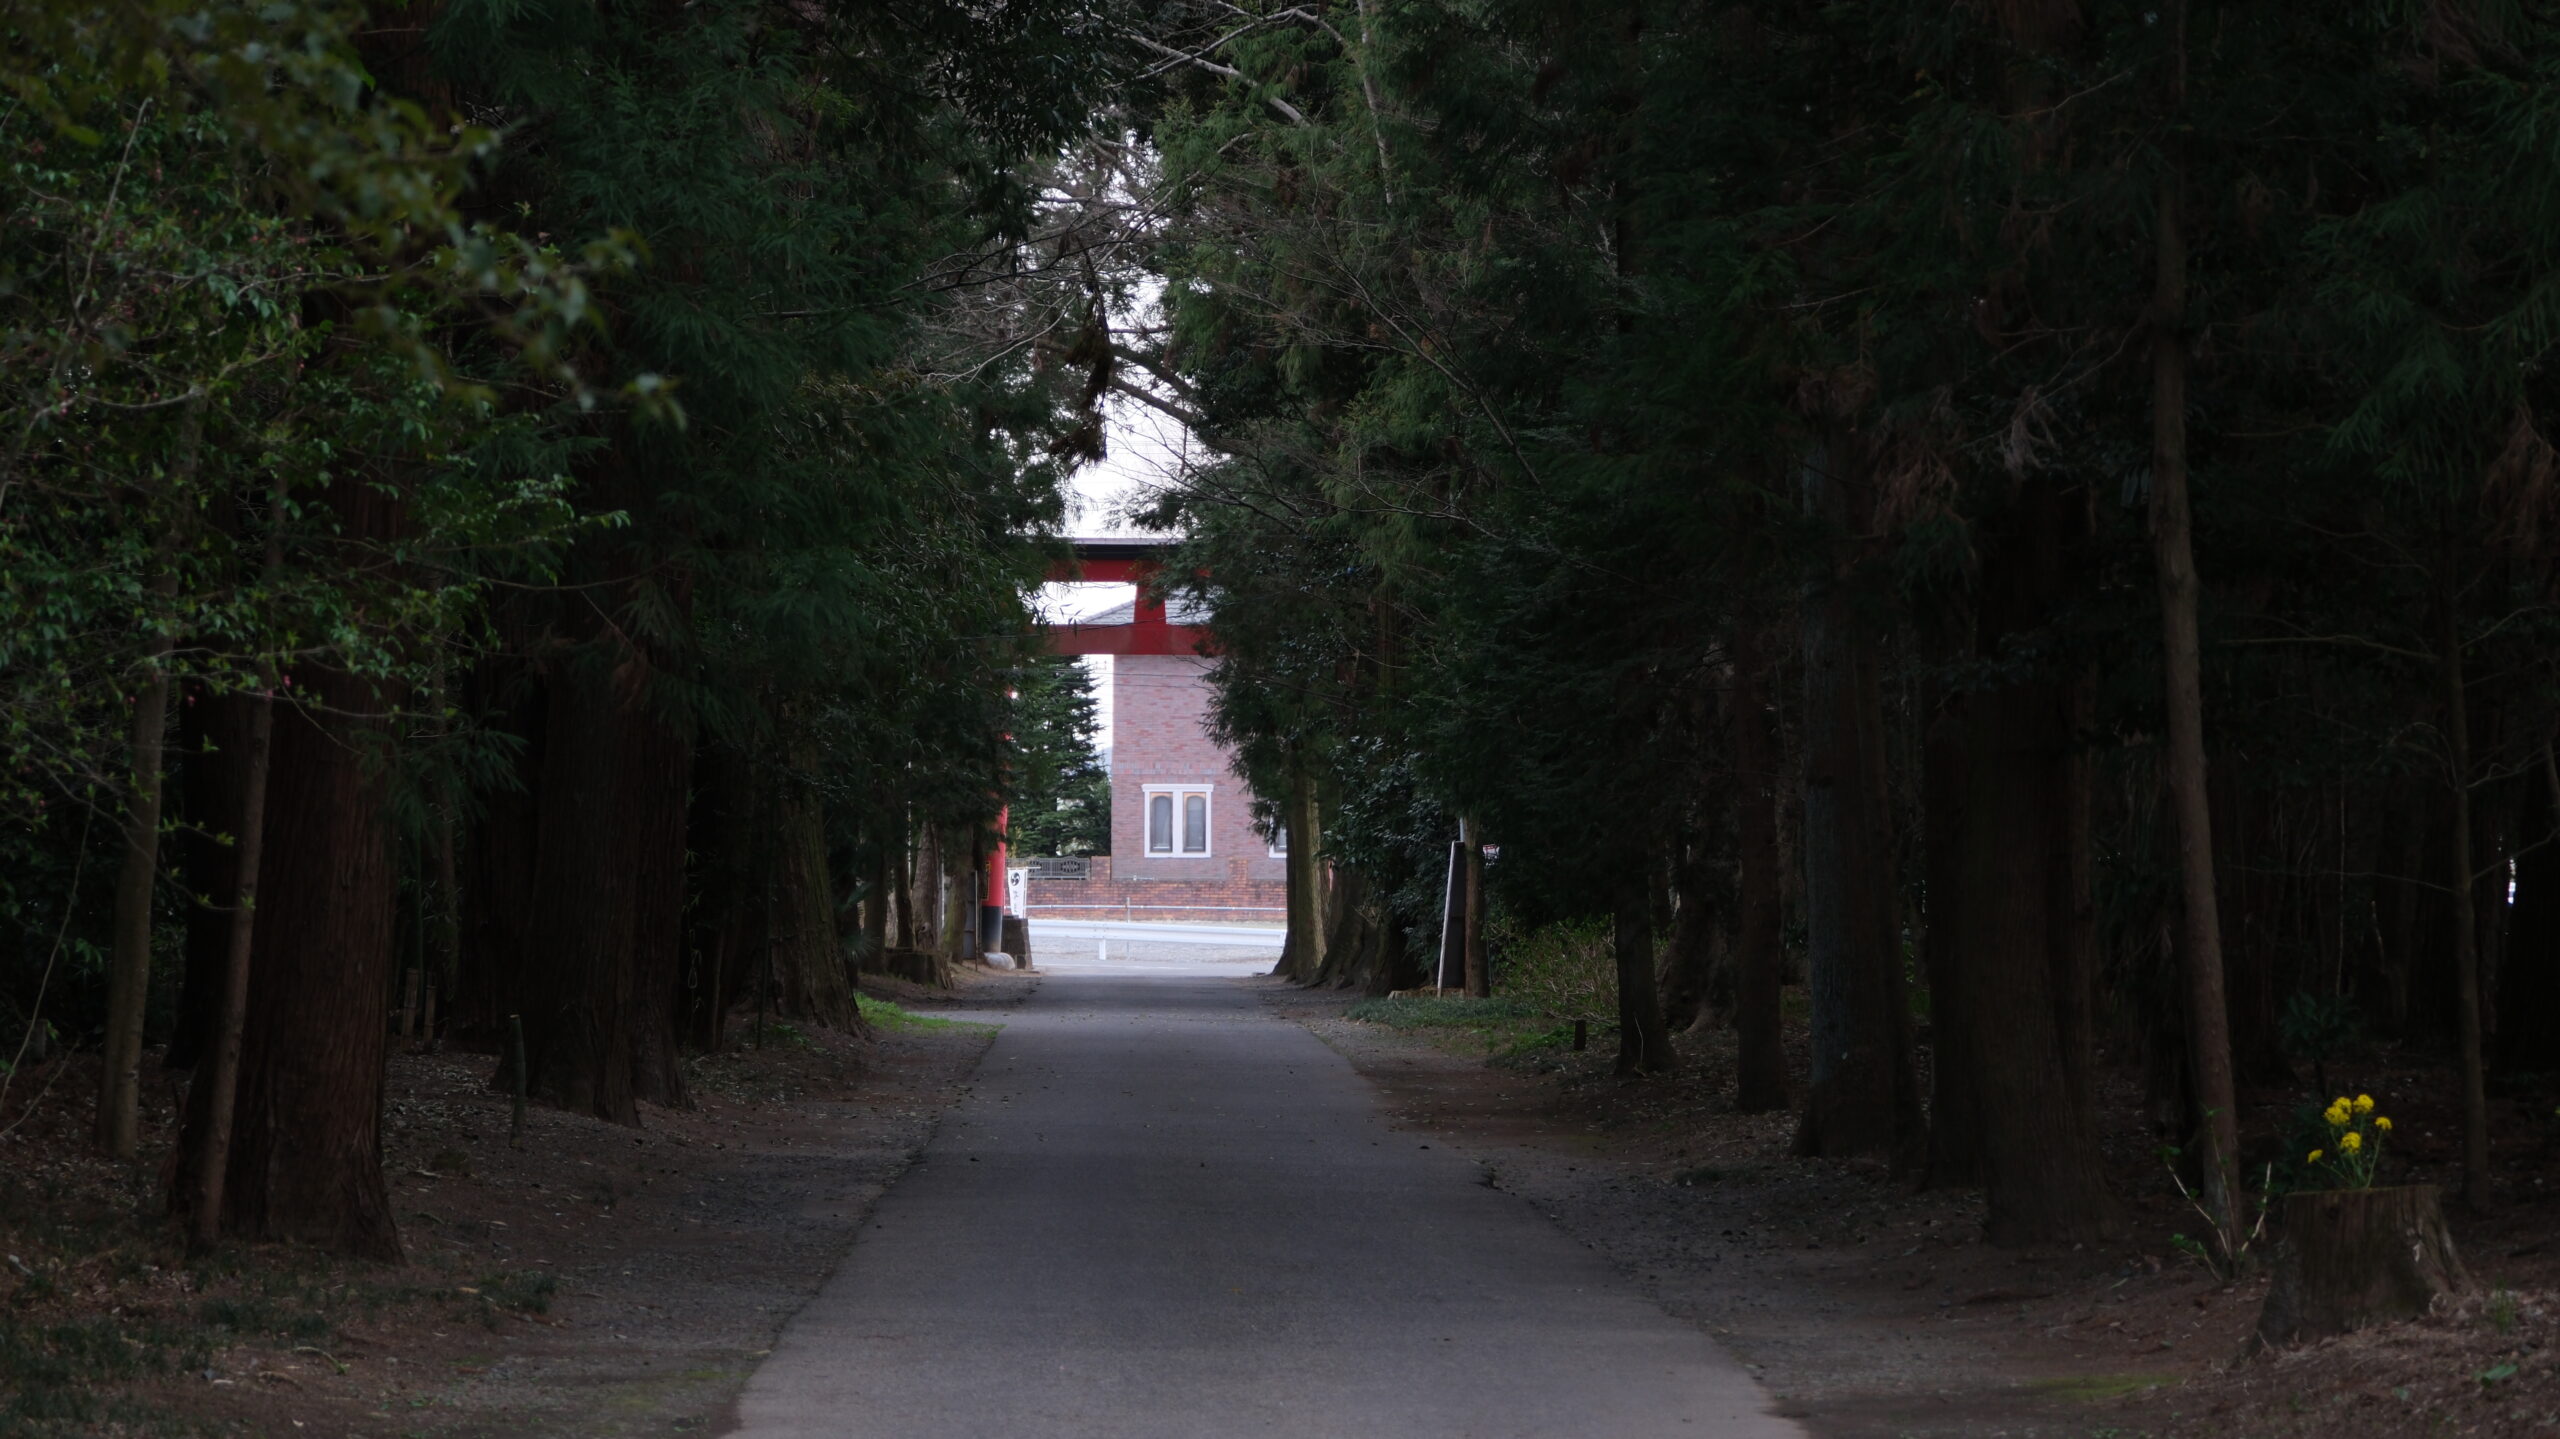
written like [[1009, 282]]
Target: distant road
[[1224, 936], [1165, 1212]]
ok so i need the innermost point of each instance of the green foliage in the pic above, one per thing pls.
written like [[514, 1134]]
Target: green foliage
[[2319, 1028], [1566, 970], [1059, 790], [256, 287], [1511, 334]]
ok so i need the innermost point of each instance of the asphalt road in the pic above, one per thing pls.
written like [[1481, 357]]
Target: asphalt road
[[1165, 1211]]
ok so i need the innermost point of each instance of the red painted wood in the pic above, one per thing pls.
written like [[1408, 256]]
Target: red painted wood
[[1137, 639]]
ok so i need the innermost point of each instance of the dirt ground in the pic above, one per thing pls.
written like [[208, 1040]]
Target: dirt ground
[[1872, 1311], [596, 1281]]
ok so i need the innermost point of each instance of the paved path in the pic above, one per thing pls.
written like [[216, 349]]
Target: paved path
[[1167, 1212]]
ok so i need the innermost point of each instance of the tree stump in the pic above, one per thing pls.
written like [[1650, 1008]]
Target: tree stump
[[2349, 1258]]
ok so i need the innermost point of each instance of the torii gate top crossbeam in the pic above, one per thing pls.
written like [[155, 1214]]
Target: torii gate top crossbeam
[[1148, 632]]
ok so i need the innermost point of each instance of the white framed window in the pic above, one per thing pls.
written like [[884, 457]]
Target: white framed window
[[1280, 841], [1178, 819]]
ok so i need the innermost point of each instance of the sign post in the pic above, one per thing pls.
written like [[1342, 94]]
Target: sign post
[[1453, 922]]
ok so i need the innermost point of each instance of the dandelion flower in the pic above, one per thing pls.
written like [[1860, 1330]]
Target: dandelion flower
[[2337, 1114], [2364, 1104], [2351, 1141], [2382, 1122], [2315, 1156]]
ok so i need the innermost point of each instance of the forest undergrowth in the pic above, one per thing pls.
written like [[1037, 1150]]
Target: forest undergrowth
[[1870, 1305], [585, 1280]]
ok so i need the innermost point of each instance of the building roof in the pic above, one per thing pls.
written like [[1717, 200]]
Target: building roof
[[1178, 610]]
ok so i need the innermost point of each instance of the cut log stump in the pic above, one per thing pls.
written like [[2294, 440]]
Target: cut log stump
[[2348, 1258]]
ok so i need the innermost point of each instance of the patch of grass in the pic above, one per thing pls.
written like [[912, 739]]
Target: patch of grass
[[889, 1015], [245, 1317], [1423, 1011], [53, 1372], [492, 1296], [527, 1289], [240, 1316], [2501, 1310], [1511, 1031]]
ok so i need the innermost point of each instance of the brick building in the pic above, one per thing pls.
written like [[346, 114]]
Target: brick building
[[1183, 843]]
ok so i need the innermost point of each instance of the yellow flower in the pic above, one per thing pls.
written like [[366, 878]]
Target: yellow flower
[[2364, 1104], [2337, 1114], [2351, 1141], [2315, 1156], [2382, 1122]]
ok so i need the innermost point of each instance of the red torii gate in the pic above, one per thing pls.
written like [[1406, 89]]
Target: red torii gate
[[1123, 562], [1148, 632]]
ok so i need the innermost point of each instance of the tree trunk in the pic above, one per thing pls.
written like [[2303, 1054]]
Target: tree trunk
[[810, 976], [579, 1010], [1479, 974], [1955, 1106], [448, 929], [875, 914], [2401, 899], [2039, 1153], [905, 886], [203, 1208], [1863, 1097], [1391, 962], [1302, 953], [129, 963], [928, 889], [1760, 1077], [2492, 874], [952, 918], [2173, 553], [1351, 934], [129, 960], [657, 763], [1644, 1041], [213, 744], [2459, 883], [2349, 1258], [2252, 904], [2019, 960], [1296, 937], [494, 977], [1688, 958], [305, 1158], [2529, 988]]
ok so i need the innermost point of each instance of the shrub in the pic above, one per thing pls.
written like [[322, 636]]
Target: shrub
[[1566, 970]]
